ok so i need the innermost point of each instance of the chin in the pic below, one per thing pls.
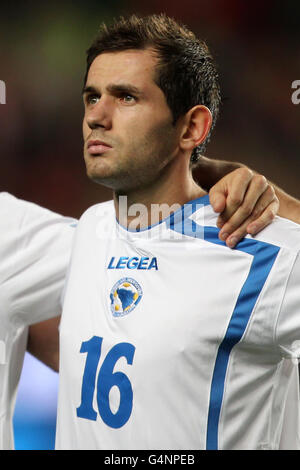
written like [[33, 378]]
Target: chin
[[116, 184], [101, 173], [96, 168], [101, 178]]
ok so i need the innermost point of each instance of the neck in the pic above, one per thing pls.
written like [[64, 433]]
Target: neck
[[144, 206]]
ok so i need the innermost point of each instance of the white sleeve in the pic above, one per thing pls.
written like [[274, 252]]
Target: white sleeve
[[288, 322], [35, 247]]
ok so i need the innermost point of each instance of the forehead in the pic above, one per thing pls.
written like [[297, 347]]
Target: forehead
[[134, 66]]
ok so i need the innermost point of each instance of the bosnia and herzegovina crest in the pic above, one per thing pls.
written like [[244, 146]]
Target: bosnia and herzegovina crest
[[124, 296]]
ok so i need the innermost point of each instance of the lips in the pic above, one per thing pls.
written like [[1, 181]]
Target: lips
[[97, 147]]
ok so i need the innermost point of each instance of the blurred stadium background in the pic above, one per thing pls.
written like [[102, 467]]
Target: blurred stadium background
[[42, 62]]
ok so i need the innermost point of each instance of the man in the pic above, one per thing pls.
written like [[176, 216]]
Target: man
[[35, 250], [169, 339]]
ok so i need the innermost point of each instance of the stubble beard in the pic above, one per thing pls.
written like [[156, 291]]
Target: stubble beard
[[137, 167]]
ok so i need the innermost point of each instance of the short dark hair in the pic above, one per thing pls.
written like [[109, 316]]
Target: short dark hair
[[186, 72]]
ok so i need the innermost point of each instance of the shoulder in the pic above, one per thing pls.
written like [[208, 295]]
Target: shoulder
[[14, 209], [9, 202], [281, 232], [23, 223], [96, 211]]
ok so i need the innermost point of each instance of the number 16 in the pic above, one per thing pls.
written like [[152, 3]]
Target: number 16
[[106, 380]]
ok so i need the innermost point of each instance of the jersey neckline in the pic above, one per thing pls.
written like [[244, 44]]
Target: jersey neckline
[[203, 201]]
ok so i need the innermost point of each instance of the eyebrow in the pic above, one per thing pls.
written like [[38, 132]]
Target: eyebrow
[[114, 88], [88, 89]]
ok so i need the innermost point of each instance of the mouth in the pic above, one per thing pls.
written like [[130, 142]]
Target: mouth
[[97, 147]]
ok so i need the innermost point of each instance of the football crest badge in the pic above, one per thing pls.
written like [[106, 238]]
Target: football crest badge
[[124, 296]]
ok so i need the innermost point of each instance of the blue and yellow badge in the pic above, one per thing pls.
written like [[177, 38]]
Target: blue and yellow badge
[[124, 296]]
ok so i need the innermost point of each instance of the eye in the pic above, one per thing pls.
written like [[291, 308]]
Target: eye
[[128, 99], [92, 99]]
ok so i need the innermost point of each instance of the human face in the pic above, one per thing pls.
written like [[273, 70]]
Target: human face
[[128, 132]]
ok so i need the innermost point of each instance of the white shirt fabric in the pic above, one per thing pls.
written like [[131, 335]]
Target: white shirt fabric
[[171, 340], [34, 251]]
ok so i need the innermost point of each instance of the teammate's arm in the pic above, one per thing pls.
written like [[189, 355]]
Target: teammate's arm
[[215, 170], [43, 342], [289, 206], [246, 200]]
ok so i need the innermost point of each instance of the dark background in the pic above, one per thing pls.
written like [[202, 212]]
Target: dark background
[[42, 62]]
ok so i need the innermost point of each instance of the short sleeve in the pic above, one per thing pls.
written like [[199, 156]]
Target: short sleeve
[[35, 247], [288, 322]]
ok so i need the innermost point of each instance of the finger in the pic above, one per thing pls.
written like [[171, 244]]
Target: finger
[[253, 203], [265, 219], [268, 198], [217, 199], [253, 225], [228, 193], [233, 239], [237, 189]]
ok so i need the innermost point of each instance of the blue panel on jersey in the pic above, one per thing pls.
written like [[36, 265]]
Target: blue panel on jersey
[[264, 255]]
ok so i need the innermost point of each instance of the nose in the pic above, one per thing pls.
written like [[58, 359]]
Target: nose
[[100, 115]]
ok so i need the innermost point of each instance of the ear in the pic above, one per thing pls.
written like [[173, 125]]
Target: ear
[[196, 126]]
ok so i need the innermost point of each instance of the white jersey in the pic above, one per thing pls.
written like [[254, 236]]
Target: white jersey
[[171, 340], [34, 252]]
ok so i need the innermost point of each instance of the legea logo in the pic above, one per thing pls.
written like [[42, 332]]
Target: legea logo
[[2, 92]]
